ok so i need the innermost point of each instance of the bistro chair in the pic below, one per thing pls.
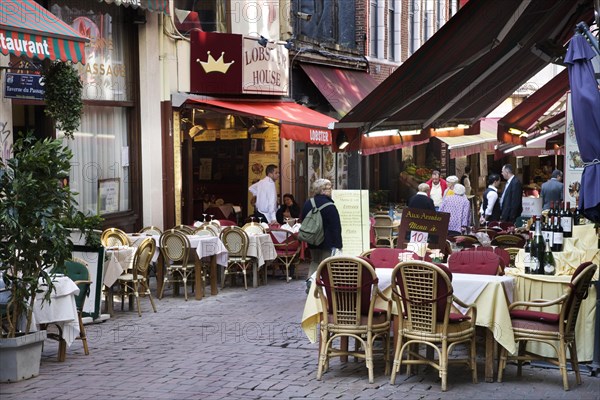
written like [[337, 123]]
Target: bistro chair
[[185, 229], [384, 231], [547, 327], [475, 261], [502, 253], [112, 237], [424, 291], [465, 241], [287, 247], [253, 228], [151, 230], [236, 242], [79, 273], [348, 290], [490, 232], [382, 257], [136, 282], [509, 241], [206, 230], [175, 248], [512, 253]]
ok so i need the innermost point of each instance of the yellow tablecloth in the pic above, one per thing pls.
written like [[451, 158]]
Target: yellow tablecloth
[[582, 247], [530, 287]]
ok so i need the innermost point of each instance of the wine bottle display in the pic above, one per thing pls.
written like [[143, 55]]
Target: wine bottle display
[[537, 248], [566, 221], [557, 235], [549, 264]]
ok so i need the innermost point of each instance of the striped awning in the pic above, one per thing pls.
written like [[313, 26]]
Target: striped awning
[[28, 29], [151, 5]]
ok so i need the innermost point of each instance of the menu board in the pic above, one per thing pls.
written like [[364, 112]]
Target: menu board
[[257, 170], [423, 226], [353, 207], [314, 166], [329, 165]]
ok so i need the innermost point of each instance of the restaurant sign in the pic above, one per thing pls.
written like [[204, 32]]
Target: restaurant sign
[[24, 86], [423, 226]]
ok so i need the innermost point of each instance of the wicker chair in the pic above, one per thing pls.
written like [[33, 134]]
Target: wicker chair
[[382, 257], [424, 291], [384, 231], [512, 252], [288, 250], [79, 273], [136, 282], [539, 326], [347, 288], [151, 230], [175, 248], [206, 230], [185, 229], [236, 242], [114, 237], [504, 255], [475, 261], [253, 228], [509, 241], [466, 241], [490, 232]]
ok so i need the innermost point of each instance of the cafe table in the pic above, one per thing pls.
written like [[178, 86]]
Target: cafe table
[[118, 259], [490, 294], [260, 247], [61, 310]]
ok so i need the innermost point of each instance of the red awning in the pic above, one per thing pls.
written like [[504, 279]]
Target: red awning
[[343, 88], [151, 5], [297, 122], [481, 140], [469, 66], [527, 114], [28, 29], [382, 144]]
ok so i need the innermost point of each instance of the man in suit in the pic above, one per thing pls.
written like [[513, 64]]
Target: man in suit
[[511, 200], [421, 199], [552, 190]]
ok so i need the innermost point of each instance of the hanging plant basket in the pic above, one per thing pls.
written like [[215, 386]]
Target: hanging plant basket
[[62, 93]]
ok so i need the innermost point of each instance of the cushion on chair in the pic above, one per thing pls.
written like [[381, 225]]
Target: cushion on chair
[[474, 262], [458, 317], [534, 325], [530, 315], [382, 257]]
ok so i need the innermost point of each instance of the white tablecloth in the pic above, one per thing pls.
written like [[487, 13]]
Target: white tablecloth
[[118, 260], [207, 246], [261, 247], [61, 310]]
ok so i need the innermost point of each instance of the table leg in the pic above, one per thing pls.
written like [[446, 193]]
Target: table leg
[[255, 273], [198, 286], [489, 355], [213, 275]]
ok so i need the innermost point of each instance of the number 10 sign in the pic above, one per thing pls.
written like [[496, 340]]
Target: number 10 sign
[[423, 226]]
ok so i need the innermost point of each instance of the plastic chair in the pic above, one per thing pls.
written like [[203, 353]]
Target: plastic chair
[[546, 327], [424, 291], [347, 288]]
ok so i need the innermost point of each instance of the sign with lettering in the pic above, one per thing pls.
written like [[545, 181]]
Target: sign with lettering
[[24, 86], [423, 226], [265, 69], [353, 207]]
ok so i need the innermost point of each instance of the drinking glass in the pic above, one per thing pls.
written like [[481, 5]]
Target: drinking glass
[[203, 217], [212, 217]]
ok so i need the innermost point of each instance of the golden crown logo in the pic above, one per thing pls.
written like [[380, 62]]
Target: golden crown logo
[[212, 65]]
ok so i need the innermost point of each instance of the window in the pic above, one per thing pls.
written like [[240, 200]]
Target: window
[[207, 15], [414, 26], [373, 29], [428, 20], [391, 31], [440, 13]]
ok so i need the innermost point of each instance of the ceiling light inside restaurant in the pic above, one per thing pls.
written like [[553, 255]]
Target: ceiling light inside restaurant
[[342, 141]]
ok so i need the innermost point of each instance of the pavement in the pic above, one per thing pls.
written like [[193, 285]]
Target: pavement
[[248, 345]]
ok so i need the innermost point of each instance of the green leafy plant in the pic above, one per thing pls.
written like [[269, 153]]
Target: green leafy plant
[[62, 93], [34, 238]]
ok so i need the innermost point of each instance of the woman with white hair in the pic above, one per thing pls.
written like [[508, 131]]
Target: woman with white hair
[[459, 208], [451, 181], [332, 226]]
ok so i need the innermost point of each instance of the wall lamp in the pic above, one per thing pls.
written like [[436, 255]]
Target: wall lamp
[[303, 16], [263, 41], [196, 130], [342, 141]]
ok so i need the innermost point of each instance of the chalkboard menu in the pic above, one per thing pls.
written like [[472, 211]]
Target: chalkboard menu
[[423, 226]]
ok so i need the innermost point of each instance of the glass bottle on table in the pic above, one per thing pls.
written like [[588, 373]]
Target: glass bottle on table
[[549, 264], [547, 227], [527, 256], [566, 220], [537, 248], [557, 235]]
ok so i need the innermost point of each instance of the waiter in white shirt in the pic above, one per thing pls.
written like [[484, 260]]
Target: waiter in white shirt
[[265, 192]]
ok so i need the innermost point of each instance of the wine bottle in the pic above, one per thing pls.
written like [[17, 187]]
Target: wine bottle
[[527, 257], [547, 228], [537, 248], [549, 264], [557, 235], [577, 214], [567, 221]]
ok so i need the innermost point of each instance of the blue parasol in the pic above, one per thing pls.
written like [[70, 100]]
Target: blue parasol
[[585, 98]]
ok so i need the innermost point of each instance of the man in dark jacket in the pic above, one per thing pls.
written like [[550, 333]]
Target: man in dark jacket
[[511, 201], [421, 199], [331, 224]]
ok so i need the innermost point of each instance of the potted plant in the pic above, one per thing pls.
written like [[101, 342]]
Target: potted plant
[[36, 210]]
